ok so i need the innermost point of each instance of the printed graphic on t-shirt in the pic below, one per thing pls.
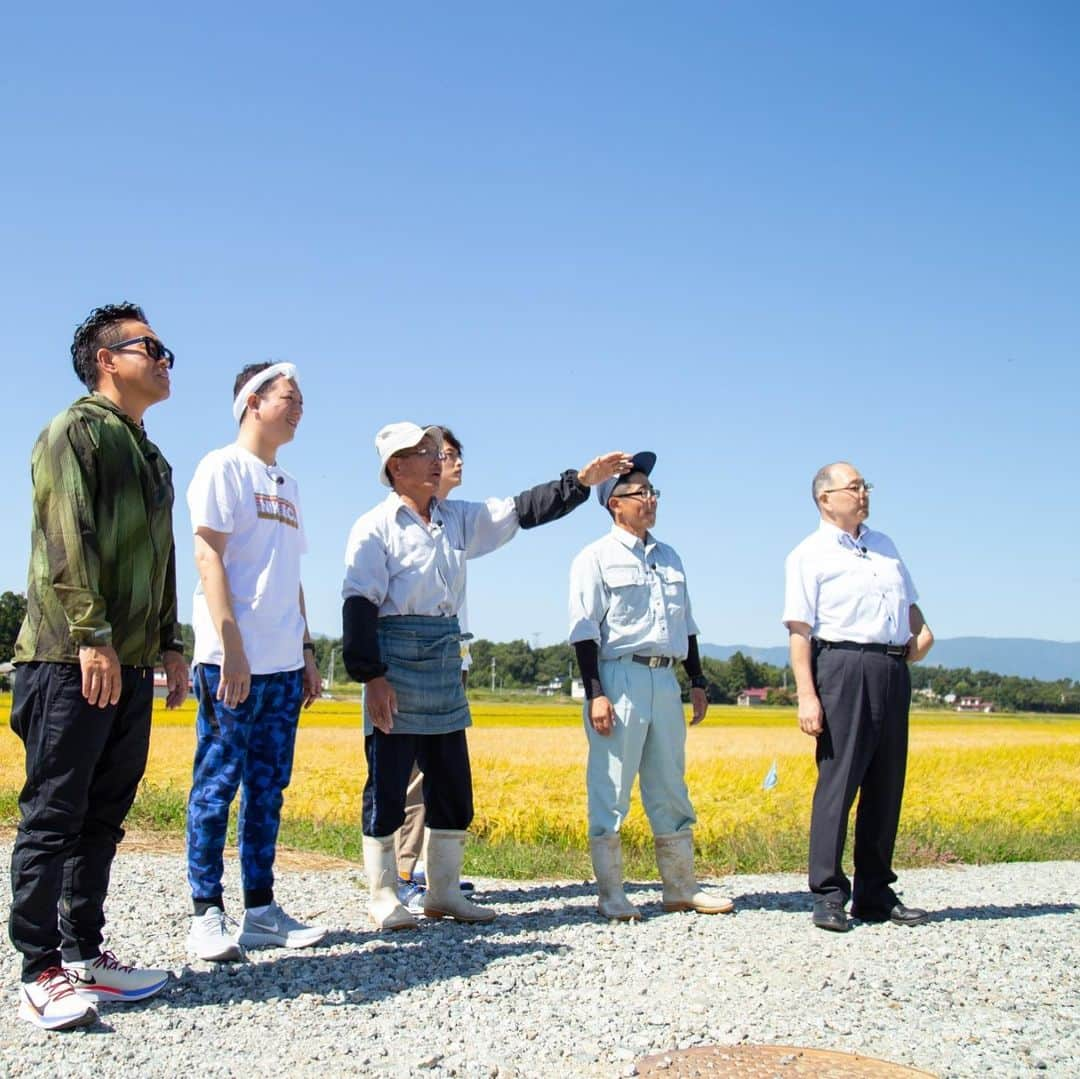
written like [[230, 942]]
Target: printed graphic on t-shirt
[[273, 508]]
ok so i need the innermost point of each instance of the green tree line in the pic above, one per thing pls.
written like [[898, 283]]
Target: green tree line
[[520, 666]]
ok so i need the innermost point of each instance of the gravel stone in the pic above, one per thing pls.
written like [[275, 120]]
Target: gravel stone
[[989, 987]]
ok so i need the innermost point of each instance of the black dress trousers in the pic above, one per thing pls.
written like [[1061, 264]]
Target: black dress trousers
[[865, 697]]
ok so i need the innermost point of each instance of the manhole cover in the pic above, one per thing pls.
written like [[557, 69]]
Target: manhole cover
[[769, 1062]]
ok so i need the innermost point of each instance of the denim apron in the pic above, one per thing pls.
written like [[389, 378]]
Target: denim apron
[[423, 657]]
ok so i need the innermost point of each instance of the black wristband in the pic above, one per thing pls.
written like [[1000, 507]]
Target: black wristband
[[699, 681], [308, 646]]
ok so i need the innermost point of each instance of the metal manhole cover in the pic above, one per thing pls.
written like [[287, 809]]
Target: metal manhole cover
[[769, 1062]]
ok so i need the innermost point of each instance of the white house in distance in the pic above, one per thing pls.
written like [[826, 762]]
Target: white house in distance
[[750, 698], [974, 704]]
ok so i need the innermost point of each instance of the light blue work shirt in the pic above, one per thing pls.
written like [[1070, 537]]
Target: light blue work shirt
[[631, 597]]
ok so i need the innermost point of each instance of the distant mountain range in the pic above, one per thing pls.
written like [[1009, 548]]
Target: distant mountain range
[[1026, 657]]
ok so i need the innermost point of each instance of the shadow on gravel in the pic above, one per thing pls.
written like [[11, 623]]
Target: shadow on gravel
[[379, 971], [991, 912], [801, 901], [540, 892]]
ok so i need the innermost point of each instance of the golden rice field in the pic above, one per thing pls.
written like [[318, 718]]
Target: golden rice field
[[995, 788]]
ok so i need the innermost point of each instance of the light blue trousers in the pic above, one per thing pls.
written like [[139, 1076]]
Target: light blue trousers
[[648, 739]]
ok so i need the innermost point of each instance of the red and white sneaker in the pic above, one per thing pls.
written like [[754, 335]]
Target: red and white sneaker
[[51, 1003], [106, 978]]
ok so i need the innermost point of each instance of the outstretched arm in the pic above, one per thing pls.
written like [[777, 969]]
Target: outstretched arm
[[548, 502]]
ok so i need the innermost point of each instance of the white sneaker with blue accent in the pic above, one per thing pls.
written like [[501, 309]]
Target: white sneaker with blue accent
[[271, 925], [410, 895], [106, 978], [50, 1003]]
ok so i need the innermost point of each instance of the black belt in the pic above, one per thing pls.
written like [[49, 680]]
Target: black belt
[[896, 650], [654, 661]]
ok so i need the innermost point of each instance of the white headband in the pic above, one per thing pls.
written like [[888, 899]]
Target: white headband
[[258, 380]]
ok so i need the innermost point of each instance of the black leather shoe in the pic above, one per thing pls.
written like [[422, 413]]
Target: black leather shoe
[[830, 915], [898, 914]]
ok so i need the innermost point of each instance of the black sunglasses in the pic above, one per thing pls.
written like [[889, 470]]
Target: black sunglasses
[[154, 349]]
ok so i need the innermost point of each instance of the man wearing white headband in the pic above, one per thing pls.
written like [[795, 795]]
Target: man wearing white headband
[[255, 663]]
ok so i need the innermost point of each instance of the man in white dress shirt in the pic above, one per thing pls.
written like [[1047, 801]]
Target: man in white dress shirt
[[404, 586], [630, 623], [850, 610]]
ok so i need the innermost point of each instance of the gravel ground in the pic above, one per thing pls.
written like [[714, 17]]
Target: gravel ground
[[989, 987]]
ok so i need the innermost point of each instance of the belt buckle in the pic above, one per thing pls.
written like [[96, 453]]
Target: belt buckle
[[896, 650], [655, 661]]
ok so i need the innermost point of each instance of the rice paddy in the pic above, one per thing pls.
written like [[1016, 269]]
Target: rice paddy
[[992, 788]]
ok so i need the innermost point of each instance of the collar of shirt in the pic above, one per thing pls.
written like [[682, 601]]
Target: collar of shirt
[[845, 539], [398, 505], [632, 542]]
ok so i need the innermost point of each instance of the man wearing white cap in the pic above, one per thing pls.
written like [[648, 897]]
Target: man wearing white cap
[[630, 623], [255, 663], [404, 585]]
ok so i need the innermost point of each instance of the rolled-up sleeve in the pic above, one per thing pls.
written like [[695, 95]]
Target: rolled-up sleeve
[[588, 598], [800, 591], [367, 572], [488, 525]]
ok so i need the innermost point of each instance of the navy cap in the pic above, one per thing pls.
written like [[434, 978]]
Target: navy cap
[[645, 461]]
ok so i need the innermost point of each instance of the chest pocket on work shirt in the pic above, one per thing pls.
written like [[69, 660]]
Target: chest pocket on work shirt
[[673, 583], [629, 592]]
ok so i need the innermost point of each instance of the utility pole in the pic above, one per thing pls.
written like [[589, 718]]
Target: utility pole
[[330, 670], [492, 674]]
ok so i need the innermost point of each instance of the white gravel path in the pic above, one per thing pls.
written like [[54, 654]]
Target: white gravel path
[[990, 987]]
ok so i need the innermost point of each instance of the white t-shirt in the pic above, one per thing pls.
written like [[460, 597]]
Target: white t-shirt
[[258, 506]]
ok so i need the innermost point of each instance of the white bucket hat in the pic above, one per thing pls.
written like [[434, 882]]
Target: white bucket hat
[[395, 437]]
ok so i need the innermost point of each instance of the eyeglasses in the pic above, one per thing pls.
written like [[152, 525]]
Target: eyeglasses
[[856, 488], [155, 350], [423, 452], [642, 493]]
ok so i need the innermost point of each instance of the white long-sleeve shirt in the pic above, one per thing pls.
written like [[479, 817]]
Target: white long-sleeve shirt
[[406, 567]]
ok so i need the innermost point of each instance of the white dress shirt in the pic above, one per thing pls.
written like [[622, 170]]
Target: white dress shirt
[[631, 597], [404, 566], [849, 589]]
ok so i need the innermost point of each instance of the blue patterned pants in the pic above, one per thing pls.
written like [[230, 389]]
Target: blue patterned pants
[[249, 746]]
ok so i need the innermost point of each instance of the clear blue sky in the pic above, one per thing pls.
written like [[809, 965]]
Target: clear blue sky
[[753, 237]]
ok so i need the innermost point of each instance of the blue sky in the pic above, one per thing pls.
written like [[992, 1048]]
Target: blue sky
[[751, 237]]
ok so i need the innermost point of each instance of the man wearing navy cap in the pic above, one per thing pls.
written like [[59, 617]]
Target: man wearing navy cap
[[849, 606], [630, 623]]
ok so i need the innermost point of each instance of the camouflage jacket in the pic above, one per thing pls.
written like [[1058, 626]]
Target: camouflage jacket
[[102, 560]]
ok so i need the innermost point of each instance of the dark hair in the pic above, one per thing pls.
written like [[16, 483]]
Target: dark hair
[[251, 371], [449, 436], [99, 330]]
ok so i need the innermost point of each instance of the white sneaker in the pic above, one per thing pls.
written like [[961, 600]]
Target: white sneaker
[[106, 978], [51, 1003], [210, 937], [271, 925], [411, 896]]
